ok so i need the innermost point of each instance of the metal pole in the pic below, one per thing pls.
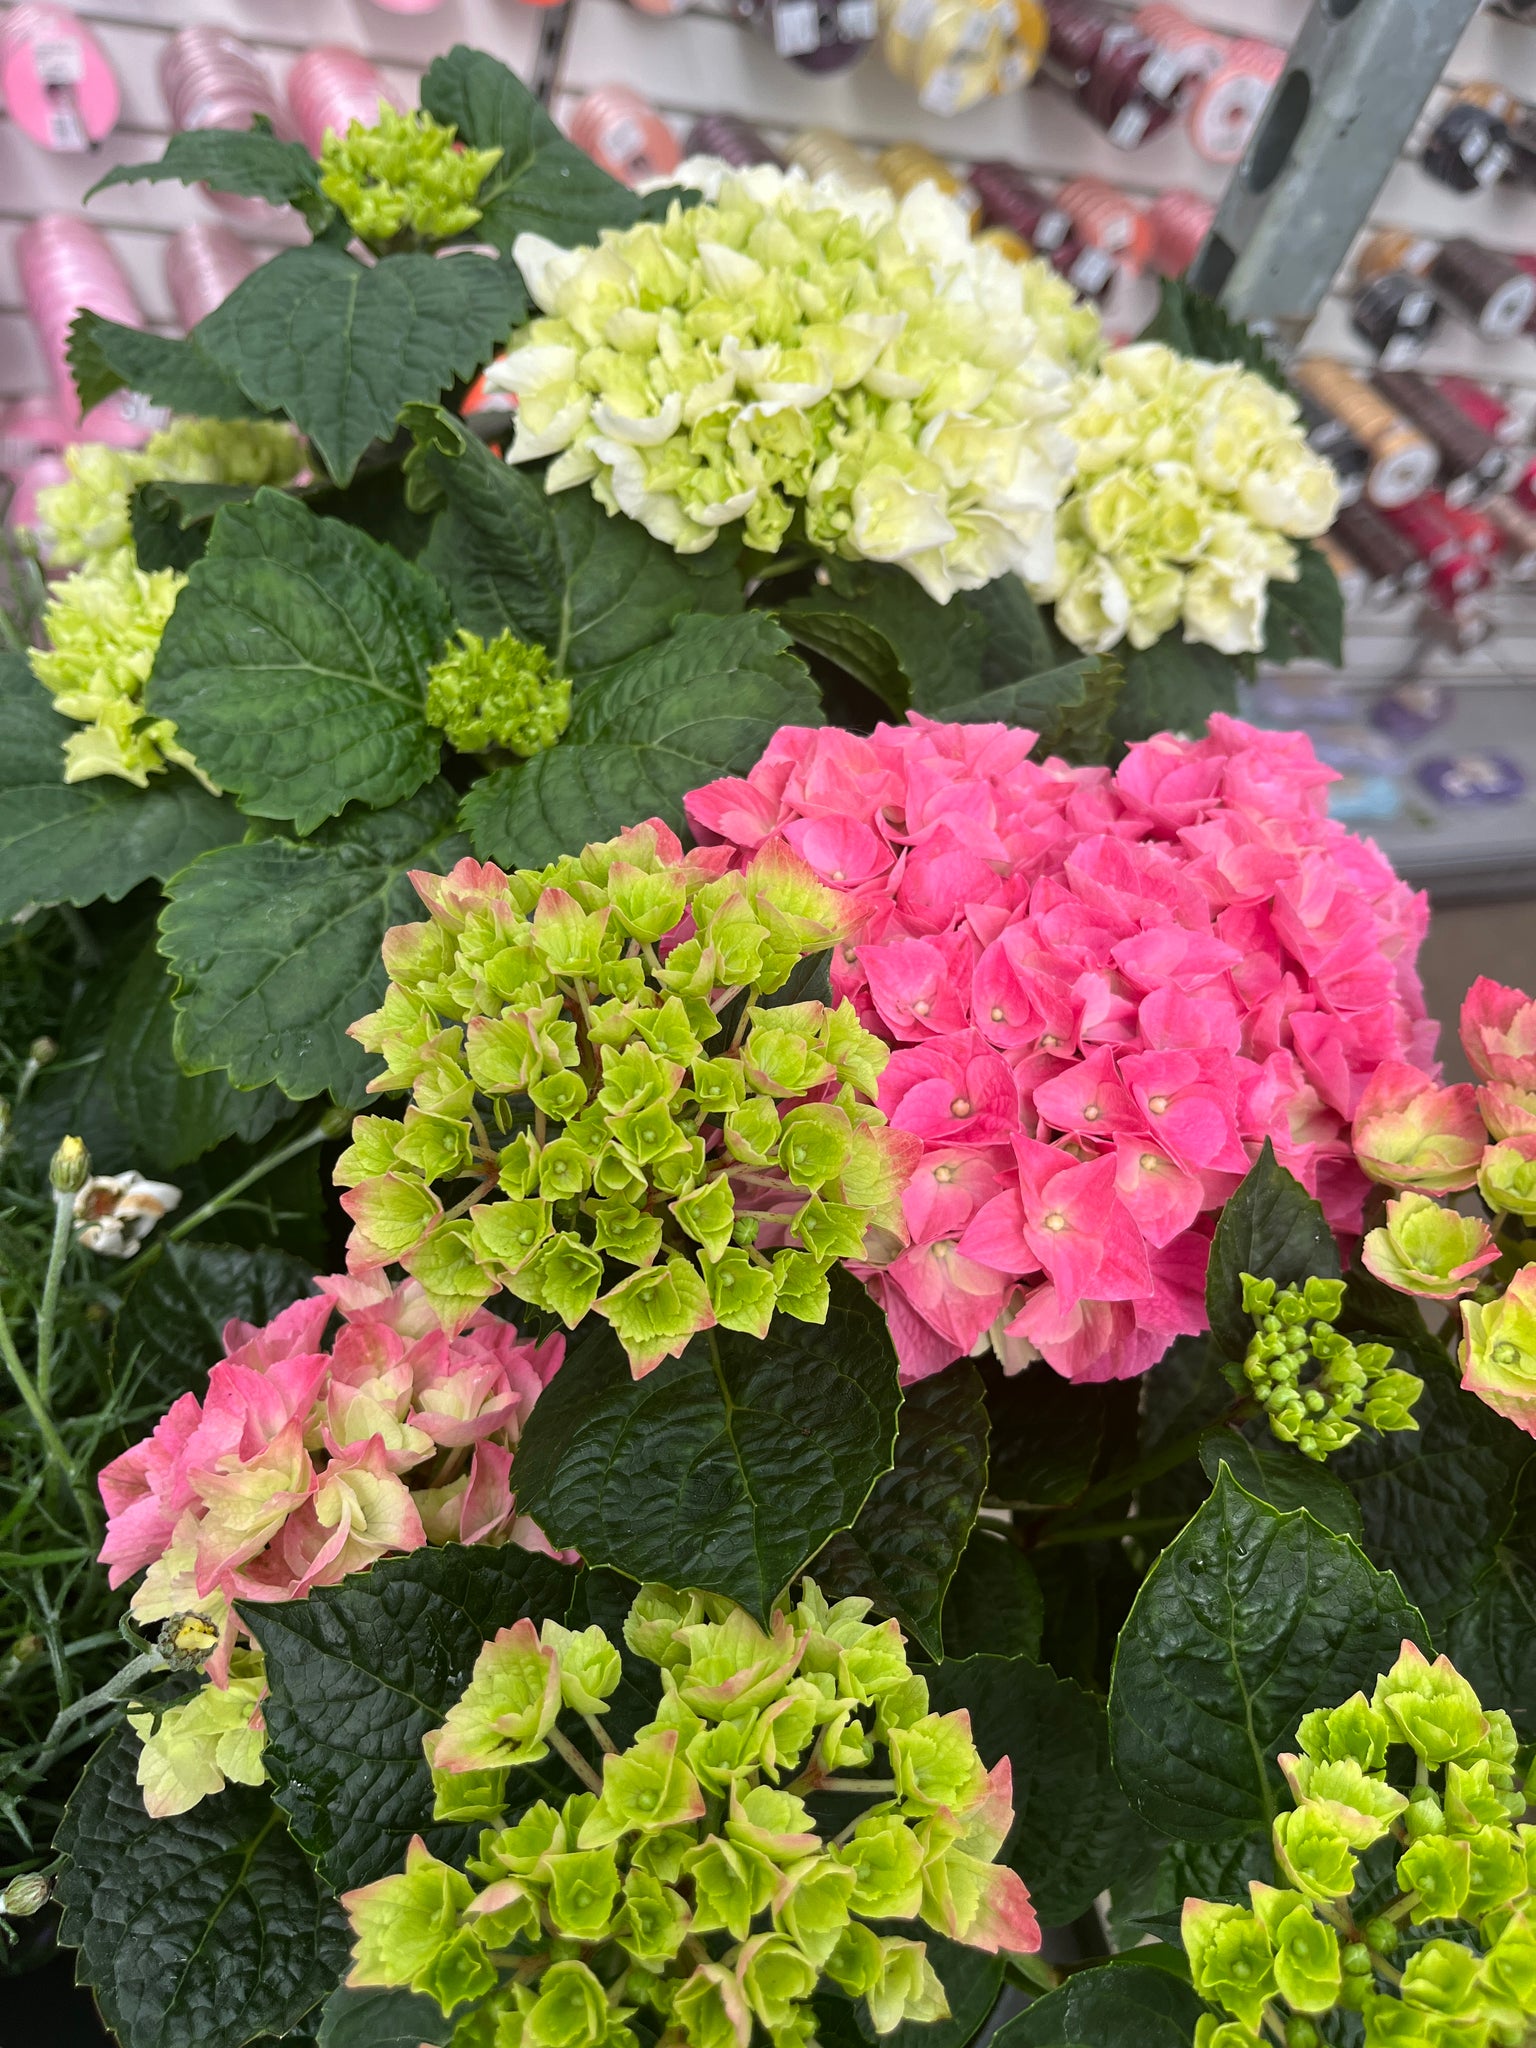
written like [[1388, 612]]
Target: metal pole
[[1358, 75]]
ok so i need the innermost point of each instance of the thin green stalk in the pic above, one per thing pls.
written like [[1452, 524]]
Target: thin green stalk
[[47, 1315], [315, 1135], [105, 1695], [1109, 1532], [43, 1422]]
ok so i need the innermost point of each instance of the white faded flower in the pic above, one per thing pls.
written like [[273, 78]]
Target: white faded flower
[[115, 1212]]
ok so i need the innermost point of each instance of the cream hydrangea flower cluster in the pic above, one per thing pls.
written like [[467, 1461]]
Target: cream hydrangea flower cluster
[[794, 348], [104, 623], [690, 1883], [1192, 480]]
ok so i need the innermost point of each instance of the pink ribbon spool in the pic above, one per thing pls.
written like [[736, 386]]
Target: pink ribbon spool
[[58, 87], [624, 134], [1180, 222], [408, 6], [39, 474], [32, 427], [203, 264], [1106, 220], [67, 267], [212, 80], [1227, 107], [330, 88], [1188, 53]]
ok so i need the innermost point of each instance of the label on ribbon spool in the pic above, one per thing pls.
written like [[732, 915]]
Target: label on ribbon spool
[[796, 27], [55, 80]]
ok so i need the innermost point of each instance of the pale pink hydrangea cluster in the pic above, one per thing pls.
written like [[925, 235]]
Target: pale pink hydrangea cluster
[[302, 1463], [1104, 990]]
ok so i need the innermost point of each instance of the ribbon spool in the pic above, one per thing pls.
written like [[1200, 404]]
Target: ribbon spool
[[1188, 53], [1381, 551], [1432, 532], [906, 165], [1472, 463], [1226, 109], [1111, 68], [818, 35], [1395, 315], [409, 6], [1391, 249], [213, 80], [1468, 148], [823, 153], [1329, 437], [624, 134], [67, 267], [1517, 532], [1180, 222], [330, 88], [31, 427], [1006, 243], [203, 264], [40, 474], [734, 141], [957, 53], [1107, 221], [1403, 461], [57, 84], [1012, 201], [1488, 290], [1480, 406]]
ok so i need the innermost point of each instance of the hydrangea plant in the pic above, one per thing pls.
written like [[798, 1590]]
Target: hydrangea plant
[[406, 175], [1296, 1327], [1419, 1782], [645, 1132], [691, 1883]]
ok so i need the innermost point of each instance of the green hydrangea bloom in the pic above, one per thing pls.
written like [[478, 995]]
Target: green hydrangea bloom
[[195, 1748], [1354, 1385], [619, 1105], [1331, 1942], [1192, 479], [505, 694], [796, 354], [407, 174], [710, 1897]]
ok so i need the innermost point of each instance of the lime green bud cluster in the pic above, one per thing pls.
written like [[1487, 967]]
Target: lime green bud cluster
[[104, 624], [505, 694], [689, 1880], [1293, 1329], [1466, 1869], [216, 1737], [408, 174], [591, 1049]]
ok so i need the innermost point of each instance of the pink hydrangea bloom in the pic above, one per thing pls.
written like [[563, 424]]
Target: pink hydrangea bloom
[[1105, 991], [302, 1462]]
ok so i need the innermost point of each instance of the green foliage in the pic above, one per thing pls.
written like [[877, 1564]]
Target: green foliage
[[1247, 1618], [169, 1330], [1284, 1480], [994, 1602], [903, 1551], [1070, 706], [275, 944], [250, 162], [208, 1931], [382, 2019], [295, 664], [1173, 687], [1273, 1229], [105, 357], [1127, 2005], [1196, 326], [1306, 618], [1047, 1435], [726, 1468], [172, 521], [73, 843]]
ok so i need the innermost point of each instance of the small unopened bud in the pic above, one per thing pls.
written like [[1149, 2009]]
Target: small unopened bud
[[1300, 2033], [1381, 1935], [186, 1641], [1357, 1960], [337, 1121], [25, 1895], [71, 1166], [42, 1052]]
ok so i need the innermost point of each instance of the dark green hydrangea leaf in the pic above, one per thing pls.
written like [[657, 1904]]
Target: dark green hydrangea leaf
[[342, 347], [1186, 320], [1069, 707], [1305, 619], [1046, 1435], [701, 704], [295, 664], [725, 1469], [361, 1671], [903, 1549], [818, 623], [249, 161], [1286, 1480], [172, 522], [1074, 1832], [1273, 1229], [275, 944], [169, 1330], [1173, 686], [382, 2019], [73, 843], [1249, 1618], [994, 1602], [105, 357], [1124, 2005], [554, 570], [208, 1930]]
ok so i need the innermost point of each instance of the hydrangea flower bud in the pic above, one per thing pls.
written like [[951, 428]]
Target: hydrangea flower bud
[[1294, 1328], [1506, 1179], [1498, 1033], [1410, 1133], [1428, 1250], [70, 1167], [1431, 1706], [405, 174], [1498, 1350], [1231, 1960], [511, 1705]]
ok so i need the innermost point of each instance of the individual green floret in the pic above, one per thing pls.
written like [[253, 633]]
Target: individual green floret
[[1330, 1942], [683, 1881], [505, 693], [1294, 1328], [636, 1128], [406, 174]]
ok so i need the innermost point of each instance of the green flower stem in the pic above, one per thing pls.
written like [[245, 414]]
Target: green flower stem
[[857, 1785], [53, 1443], [1109, 1532], [47, 1315], [315, 1135], [566, 1749], [600, 1735], [107, 1695], [1130, 1477]]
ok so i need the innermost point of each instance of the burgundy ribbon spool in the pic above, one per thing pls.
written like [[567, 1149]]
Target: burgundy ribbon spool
[[733, 140]]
